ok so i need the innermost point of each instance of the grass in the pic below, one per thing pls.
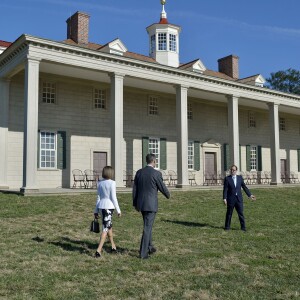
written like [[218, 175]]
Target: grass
[[47, 250]]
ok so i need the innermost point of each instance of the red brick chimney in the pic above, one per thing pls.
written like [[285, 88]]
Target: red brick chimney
[[229, 65], [78, 28]]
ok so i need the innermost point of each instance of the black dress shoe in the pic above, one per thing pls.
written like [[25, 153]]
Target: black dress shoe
[[114, 250], [244, 229], [97, 254], [146, 257], [152, 250]]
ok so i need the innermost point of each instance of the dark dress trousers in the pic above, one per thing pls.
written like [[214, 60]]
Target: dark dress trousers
[[147, 183], [234, 197]]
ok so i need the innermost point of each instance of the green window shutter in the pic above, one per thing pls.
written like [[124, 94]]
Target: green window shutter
[[145, 150], [163, 154], [38, 148], [259, 159], [298, 150], [197, 155], [226, 156], [248, 166], [61, 150]]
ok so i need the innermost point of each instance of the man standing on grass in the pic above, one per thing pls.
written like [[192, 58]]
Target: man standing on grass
[[147, 182], [232, 196]]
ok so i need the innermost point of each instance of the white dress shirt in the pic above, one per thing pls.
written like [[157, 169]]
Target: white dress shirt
[[234, 180], [107, 196]]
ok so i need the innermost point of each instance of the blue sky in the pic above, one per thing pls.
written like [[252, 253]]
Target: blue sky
[[264, 34]]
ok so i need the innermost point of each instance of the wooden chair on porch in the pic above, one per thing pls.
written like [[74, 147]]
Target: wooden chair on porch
[[90, 178], [192, 178], [78, 177], [173, 177], [165, 177]]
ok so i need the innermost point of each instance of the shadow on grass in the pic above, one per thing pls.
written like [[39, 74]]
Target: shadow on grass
[[193, 224], [83, 247]]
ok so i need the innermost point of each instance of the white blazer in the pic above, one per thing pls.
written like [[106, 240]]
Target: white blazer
[[107, 196]]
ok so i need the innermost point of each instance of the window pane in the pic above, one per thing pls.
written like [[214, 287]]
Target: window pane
[[47, 149], [162, 41], [191, 155], [172, 42], [154, 149]]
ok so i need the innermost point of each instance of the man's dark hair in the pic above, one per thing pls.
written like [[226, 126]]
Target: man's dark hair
[[150, 158]]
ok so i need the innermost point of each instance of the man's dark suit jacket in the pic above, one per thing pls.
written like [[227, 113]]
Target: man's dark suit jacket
[[230, 192], [147, 182]]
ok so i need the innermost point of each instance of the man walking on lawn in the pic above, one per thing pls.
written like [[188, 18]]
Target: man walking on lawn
[[232, 196], [147, 182]]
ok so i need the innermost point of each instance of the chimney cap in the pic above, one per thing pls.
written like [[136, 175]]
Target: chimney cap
[[228, 56]]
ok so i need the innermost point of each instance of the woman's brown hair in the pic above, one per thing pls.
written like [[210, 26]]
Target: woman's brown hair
[[108, 172]]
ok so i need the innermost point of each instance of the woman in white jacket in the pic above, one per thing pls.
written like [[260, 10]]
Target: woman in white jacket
[[106, 203]]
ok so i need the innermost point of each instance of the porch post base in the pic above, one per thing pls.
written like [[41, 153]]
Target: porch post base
[[276, 183], [28, 191], [182, 186]]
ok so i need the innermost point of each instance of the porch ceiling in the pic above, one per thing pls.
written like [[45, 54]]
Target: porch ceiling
[[156, 86]]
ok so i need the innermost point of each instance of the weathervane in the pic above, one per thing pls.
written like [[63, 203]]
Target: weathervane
[[163, 13]]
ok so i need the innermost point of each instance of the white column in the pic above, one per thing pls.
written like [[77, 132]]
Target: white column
[[233, 127], [274, 143], [30, 126], [182, 136], [4, 111], [117, 126]]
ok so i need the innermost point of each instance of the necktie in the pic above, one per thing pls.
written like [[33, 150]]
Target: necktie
[[234, 180]]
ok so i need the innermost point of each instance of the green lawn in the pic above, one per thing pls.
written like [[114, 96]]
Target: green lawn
[[46, 249]]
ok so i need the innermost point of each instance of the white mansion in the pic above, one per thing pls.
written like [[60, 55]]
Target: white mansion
[[80, 105]]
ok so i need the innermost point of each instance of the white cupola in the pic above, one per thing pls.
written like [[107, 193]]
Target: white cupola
[[164, 40]]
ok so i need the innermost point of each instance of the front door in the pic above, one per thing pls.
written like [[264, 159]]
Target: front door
[[210, 167], [283, 171], [99, 162]]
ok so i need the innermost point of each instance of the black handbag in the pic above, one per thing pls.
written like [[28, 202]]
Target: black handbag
[[95, 227]]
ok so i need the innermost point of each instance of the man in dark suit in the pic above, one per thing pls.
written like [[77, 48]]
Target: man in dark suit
[[232, 196], [147, 182]]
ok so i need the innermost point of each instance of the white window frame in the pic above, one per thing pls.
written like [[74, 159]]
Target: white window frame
[[47, 149], [173, 42], [282, 124], [251, 120], [49, 92], [100, 98], [191, 155], [153, 43], [253, 157], [155, 150], [162, 41], [153, 105]]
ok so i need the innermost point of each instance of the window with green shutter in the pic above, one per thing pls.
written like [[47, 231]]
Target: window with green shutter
[[197, 155], [145, 150], [259, 158], [226, 157], [163, 153], [51, 150], [248, 157], [61, 150]]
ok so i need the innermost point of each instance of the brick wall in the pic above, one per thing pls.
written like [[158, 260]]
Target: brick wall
[[78, 28], [229, 65]]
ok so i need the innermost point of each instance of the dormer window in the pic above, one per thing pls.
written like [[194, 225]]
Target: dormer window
[[153, 43], [172, 42], [162, 41]]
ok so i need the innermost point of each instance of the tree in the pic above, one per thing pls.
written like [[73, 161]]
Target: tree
[[285, 81]]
